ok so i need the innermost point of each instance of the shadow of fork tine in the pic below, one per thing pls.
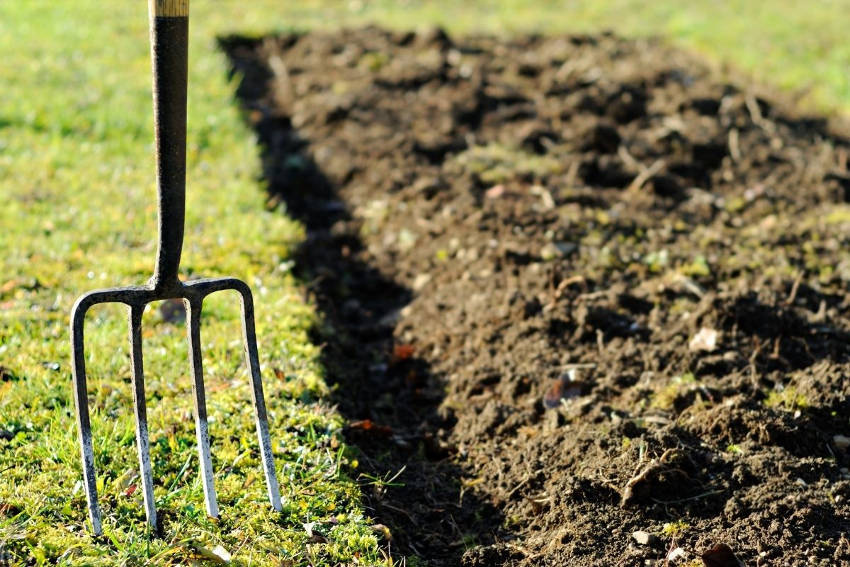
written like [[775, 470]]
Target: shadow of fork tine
[[193, 308], [142, 440]]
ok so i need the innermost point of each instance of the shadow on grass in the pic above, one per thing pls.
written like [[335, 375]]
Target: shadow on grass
[[390, 398]]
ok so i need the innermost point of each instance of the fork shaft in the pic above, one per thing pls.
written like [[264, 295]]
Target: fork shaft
[[169, 23], [201, 426], [142, 440]]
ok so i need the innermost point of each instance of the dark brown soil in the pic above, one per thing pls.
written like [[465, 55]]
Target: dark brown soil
[[579, 287]]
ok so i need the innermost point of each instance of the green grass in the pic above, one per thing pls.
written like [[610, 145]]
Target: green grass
[[76, 183], [799, 46], [77, 186]]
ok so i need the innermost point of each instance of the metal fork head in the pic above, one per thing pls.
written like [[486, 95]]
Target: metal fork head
[[169, 24], [136, 298]]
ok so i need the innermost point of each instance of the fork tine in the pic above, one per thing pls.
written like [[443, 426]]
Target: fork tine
[[193, 307], [262, 420], [142, 441], [78, 315]]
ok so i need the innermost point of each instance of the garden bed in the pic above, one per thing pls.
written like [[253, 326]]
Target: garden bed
[[591, 296]]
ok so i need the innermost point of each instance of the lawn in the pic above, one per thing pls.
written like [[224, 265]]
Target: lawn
[[76, 176], [77, 181]]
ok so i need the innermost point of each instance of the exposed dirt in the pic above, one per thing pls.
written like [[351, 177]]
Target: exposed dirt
[[579, 286]]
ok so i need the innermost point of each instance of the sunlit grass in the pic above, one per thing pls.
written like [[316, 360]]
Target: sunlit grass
[[795, 45], [76, 182]]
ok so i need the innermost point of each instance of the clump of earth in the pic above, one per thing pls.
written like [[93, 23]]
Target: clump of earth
[[588, 297]]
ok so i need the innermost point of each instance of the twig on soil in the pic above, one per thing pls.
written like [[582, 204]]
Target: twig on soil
[[842, 160], [572, 173], [400, 511], [545, 196], [558, 292], [793, 295], [775, 354], [594, 295], [689, 498], [284, 94], [734, 145], [457, 531], [694, 317], [691, 286], [518, 486], [673, 545], [523, 550], [646, 175], [829, 449], [652, 467], [754, 373], [756, 115], [753, 108], [629, 159]]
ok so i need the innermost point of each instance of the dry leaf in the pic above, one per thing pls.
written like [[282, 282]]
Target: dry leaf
[[402, 352], [720, 555], [369, 425], [383, 531], [218, 554], [564, 388]]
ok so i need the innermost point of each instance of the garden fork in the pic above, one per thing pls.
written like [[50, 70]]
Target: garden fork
[[169, 26]]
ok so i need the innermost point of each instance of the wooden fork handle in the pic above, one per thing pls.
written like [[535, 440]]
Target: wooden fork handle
[[169, 27]]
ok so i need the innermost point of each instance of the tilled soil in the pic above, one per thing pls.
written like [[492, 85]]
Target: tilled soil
[[578, 287]]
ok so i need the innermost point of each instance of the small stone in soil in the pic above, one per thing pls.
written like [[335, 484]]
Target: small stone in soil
[[704, 340], [644, 538], [495, 191], [554, 250], [676, 555], [421, 281]]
